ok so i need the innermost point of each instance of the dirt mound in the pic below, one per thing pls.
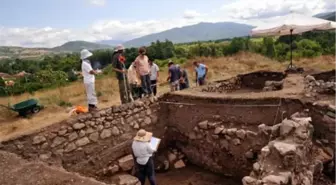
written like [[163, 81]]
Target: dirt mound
[[17, 171]]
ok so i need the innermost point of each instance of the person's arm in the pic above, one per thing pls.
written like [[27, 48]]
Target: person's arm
[[206, 70], [88, 69], [169, 75]]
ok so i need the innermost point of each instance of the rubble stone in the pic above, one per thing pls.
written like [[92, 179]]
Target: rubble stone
[[218, 130], [241, 134], [38, 140], [57, 141], [203, 124], [94, 136], [106, 133], [78, 126], [126, 179], [115, 131], [126, 163], [83, 141], [72, 136], [70, 147], [179, 164]]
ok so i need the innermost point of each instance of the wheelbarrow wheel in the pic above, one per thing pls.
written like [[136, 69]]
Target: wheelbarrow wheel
[[35, 110]]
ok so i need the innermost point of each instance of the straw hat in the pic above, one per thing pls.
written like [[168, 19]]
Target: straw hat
[[143, 135]]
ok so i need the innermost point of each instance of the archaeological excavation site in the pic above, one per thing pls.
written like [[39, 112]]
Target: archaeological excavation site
[[260, 128]]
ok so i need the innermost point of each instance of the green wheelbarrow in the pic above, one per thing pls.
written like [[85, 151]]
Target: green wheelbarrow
[[28, 106]]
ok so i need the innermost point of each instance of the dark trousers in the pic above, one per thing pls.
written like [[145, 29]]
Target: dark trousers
[[153, 85], [146, 84], [146, 171], [201, 81], [124, 91], [136, 91]]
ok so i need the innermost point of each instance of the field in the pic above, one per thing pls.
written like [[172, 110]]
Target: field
[[12, 126]]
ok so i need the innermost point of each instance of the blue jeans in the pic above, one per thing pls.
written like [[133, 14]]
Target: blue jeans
[[146, 84], [146, 170]]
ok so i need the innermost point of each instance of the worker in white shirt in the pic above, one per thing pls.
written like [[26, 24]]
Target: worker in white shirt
[[89, 79], [142, 152], [154, 75]]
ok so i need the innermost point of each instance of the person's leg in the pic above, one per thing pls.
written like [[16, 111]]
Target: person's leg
[[153, 85], [151, 171], [122, 91], [91, 96], [141, 173], [149, 85], [143, 84]]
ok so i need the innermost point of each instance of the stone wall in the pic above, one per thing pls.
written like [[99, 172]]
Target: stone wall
[[222, 135], [92, 143]]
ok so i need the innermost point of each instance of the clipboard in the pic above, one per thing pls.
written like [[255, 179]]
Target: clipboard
[[155, 142]]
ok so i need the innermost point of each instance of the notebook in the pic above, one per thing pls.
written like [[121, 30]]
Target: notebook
[[155, 142]]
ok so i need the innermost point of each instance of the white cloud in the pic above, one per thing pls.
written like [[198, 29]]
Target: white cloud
[[246, 9], [241, 11], [190, 14], [98, 2]]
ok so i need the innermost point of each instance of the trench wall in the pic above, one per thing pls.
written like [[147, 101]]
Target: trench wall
[[224, 135], [91, 143]]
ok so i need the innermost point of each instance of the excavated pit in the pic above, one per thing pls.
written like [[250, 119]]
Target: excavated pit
[[217, 131]]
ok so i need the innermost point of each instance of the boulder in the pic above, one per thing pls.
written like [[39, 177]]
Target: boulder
[[83, 141], [203, 124], [284, 148], [126, 163], [179, 164], [78, 126], [106, 133], [286, 127], [38, 140]]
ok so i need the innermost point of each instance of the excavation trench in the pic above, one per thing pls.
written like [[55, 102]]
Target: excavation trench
[[218, 138]]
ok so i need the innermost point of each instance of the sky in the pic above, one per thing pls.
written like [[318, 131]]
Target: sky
[[49, 23]]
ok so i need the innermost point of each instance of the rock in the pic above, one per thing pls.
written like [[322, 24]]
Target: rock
[[62, 132], [73, 136], [213, 124], [147, 121], [43, 146], [171, 157], [89, 130], [282, 178], [81, 133], [249, 155], [113, 169], [276, 130], [263, 129], [38, 140], [331, 107], [83, 141], [224, 144], [286, 127], [57, 141], [107, 124], [331, 114], [241, 134], [203, 124], [236, 141], [106, 133], [70, 147], [192, 135], [126, 179], [265, 151], [215, 136], [126, 163], [227, 137], [218, 130], [100, 127], [78, 126], [231, 131], [249, 180], [45, 157], [115, 131], [284, 148], [179, 164], [94, 137], [309, 78], [136, 126], [256, 167]]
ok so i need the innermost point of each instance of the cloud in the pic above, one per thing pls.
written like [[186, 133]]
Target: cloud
[[191, 14], [249, 9], [98, 2]]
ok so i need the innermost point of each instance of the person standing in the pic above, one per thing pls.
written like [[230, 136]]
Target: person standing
[[134, 82], [154, 76], [174, 76], [142, 153], [89, 79], [184, 81], [118, 65], [143, 69], [201, 72]]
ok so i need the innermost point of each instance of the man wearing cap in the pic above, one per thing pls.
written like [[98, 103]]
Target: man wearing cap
[[89, 79], [142, 151], [118, 64]]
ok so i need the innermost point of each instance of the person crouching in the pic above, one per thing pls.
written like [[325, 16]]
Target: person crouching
[[134, 82], [143, 152]]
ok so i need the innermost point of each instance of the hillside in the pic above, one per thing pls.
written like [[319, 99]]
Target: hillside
[[110, 42], [76, 46], [327, 16], [198, 32]]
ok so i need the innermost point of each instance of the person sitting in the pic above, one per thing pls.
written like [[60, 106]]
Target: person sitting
[[184, 81], [143, 152]]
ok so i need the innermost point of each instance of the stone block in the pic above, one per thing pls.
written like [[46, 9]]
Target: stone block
[[38, 140], [83, 141], [126, 163]]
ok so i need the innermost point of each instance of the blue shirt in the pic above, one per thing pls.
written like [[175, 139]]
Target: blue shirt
[[200, 70], [175, 73]]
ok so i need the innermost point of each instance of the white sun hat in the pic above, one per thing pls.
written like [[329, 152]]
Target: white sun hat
[[119, 48], [84, 54]]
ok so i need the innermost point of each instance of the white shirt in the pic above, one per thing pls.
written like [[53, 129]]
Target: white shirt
[[154, 69], [86, 68], [142, 151]]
